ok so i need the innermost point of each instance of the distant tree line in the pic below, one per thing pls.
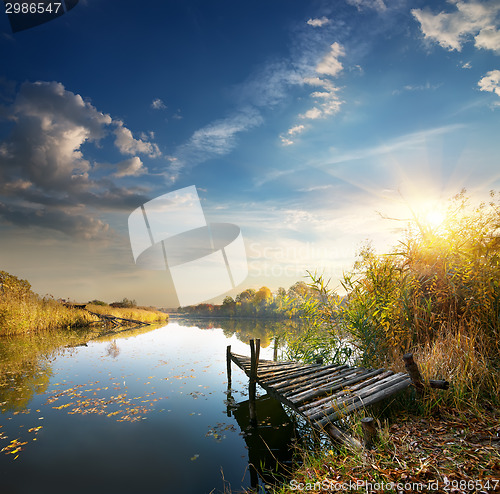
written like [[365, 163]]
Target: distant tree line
[[281, 304]]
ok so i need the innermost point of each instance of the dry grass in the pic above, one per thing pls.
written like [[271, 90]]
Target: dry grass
[[24, 313], [136, 313]]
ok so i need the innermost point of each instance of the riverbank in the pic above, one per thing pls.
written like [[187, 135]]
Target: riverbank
[[447, 450], [23, 311]]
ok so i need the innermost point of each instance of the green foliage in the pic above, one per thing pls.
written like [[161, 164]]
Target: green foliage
[[442, 280], [437, 294], [320, 340], [249, 303]]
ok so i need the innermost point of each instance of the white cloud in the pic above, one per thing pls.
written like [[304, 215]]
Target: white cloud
[[286, 139], [327, 100], [490, 82], [471, 19], [158, 104], [330, 64], [215, 139], [318, 22], [131, 167], [312, 114], [466, 65], [418, 87], [489, 39], [368, 4], [126, 143]]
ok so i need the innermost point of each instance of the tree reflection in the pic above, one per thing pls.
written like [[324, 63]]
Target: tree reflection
[[112, 349]]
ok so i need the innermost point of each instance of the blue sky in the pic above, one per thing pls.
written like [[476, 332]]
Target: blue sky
[[296, 120]]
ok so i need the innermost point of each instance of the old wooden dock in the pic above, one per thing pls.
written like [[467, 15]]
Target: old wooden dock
[[322, 394]]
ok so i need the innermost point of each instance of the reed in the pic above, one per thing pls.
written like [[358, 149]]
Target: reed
[[437, 294], [139, 314], [23, 311]]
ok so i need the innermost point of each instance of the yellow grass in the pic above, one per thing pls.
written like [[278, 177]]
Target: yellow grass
[[136, 313]]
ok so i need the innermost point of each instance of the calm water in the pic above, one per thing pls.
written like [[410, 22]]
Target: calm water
[[141, 412]]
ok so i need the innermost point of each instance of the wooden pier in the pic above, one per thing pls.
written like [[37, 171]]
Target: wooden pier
[[322, 394]]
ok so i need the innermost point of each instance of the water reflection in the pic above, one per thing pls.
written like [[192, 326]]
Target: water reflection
[[268, 441], [245, 329], [90, 403]]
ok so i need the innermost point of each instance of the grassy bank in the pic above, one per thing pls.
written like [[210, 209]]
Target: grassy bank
[[437, 295], [143, 314], [23, 311]]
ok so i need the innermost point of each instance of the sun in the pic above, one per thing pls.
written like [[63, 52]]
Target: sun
[[434, 218]]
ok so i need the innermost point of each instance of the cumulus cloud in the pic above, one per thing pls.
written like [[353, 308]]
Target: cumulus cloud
[[490, 82], [131, 167], [470, 20], [330, 64], [327, 100], [158, 104], [318, 22], [45, 178], [126, 143]]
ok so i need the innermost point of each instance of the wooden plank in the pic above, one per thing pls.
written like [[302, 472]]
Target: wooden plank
[[323, 386], [310, 408], [367, 398], [370, 400], [275, 372], [322, 371], [345, 398], [297, 393], [302, 376]]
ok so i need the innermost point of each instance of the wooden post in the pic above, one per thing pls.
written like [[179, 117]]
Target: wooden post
[[275, 349], [252, 384], [228, 365], [414, 373], [369, 432]]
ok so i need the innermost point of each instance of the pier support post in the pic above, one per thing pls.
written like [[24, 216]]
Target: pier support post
[[369, 432], [228, 365], [275, 349], [254, 363], [414, 373]]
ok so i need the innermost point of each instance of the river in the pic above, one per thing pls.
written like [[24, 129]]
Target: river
[[141, 411]]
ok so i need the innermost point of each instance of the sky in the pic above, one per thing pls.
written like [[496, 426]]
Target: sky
[[306, 123]]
